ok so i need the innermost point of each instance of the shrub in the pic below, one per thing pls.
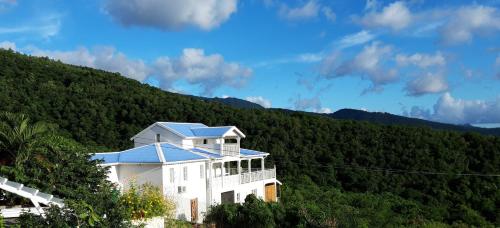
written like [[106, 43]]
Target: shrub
[[147, 201]]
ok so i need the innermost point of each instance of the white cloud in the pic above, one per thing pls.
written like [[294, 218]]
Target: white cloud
[[458, 111], [371, 5], [312, 104], [323, 110], [106, 58], [260, 101], [421, 60], [300, 58], [193, 66], [497, 66], [427, 83], [468, 20], [329, 14], [354, 39], [309, 10], [8, 45], [45, 27], [6, 5], [171, 14], [367, 64], [395, 16], [208, 71]]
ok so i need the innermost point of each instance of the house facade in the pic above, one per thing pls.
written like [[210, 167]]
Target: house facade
[[195, 165]]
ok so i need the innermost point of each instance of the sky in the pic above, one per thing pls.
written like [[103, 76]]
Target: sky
[[435, 60]]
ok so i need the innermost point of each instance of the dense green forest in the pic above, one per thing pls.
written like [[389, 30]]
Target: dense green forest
[[323, 162]]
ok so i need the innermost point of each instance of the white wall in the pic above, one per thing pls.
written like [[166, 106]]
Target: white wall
[[140, 174], [149, 136], [195, 188]]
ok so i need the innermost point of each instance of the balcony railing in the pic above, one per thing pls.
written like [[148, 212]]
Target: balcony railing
[[232, 149], [233, 180]]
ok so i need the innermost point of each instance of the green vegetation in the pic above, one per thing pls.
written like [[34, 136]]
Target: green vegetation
[[411, 167], [61, 167], [147, 201]]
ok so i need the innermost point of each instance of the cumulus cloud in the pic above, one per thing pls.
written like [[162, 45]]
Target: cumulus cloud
[[8, 45], [312, 104], [421, 60], [106, 58], [309, 10], [459, 111], [395, 16], [354, 39], [171, 14], [367, 64], [469, 20], [260, 101], [427, 83], [208, 71], [193, 66]]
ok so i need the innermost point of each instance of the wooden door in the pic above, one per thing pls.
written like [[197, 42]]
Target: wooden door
[[194, 210], [270, 192]]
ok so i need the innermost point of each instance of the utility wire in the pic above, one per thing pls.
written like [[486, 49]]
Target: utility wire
[[348, 166]]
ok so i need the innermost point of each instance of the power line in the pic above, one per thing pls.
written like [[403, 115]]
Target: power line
[[349, 166]]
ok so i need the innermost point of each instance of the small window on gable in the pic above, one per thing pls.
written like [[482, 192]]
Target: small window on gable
[[158, 138], [204, 141]]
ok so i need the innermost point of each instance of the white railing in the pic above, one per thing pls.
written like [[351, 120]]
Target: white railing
[[232, 180], [232, 149]]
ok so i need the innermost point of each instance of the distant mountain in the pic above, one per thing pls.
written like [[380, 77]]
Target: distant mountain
[[233, 102], [360, 115], [391, 119]]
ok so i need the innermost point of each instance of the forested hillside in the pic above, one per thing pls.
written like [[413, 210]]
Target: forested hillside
[[315, 156]]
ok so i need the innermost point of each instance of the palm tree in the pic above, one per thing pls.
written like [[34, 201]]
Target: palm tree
[[18, 137]]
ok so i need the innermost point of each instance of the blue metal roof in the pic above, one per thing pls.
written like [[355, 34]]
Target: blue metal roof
[[247, 152], [107, 157], [183, 128], [173, 153], [196, 129], [207, 153], [210, 131], [143, 154], [148, 154]]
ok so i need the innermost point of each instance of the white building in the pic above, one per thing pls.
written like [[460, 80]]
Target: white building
[[196, 165]]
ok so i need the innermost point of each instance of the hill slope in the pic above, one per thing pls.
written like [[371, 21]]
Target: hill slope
[[105, 109], [387, 118]]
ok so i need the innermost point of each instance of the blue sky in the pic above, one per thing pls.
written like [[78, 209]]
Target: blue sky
[[426, 59]]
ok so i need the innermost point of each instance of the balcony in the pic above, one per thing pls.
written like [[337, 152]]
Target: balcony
[[244, 178], [230, 149]]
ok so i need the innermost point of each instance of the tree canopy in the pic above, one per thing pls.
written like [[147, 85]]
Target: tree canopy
[[103, 110]]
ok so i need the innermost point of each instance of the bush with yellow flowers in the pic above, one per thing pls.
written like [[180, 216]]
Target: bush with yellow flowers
[[147, 201]]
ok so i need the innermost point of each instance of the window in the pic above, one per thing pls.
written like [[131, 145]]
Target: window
[[254, 191], [202, 171], [181, 189], [158, 138], [231, 140], [238, 197], [204, 141], [185, 173], [172, 175]]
